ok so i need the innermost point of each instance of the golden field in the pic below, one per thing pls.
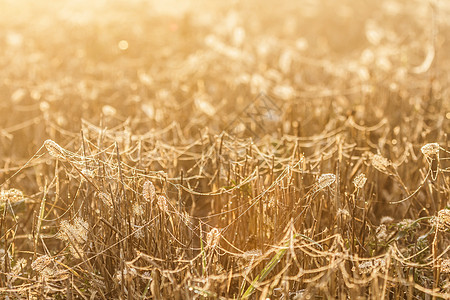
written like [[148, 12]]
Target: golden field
[[224, 150]]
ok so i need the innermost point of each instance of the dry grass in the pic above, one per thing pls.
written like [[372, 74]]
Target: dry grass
[[233, 151]]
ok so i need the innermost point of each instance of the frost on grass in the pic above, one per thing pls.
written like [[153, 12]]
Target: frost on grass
[[430, 149], [445, 266], [11, 195], [46, 267], [3, 255], [128, 274], [406, 225], [19, 266], [386, 220], [360, 181], [213, 238], [325, 180], [252, 254], [41, 263], [138, 210], [343, 213], [197, 112], [55, 150], [149, 191], [106, 199], [442, 220], [369, 266], [75, 234], [380, 163], [381, 233], [162, 203]]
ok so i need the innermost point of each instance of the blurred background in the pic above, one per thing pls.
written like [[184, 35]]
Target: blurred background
[[238, 66]]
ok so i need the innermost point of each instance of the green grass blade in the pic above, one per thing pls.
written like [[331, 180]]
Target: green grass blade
[[267, 269]]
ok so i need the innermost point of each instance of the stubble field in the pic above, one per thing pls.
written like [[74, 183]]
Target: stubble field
[[224, 150]]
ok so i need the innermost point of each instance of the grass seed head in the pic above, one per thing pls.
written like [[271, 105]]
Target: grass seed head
[[386, 220], [55, 150], [41, 263], [109, 111], [430, 149], [19, 266], [138, 233], [380, 163], [343, 213], [76, 232], [252, 254], [325, 180], [162, 203], [106, 199], [381, 233], [128, 273], [406, 225], [368, 266], [149, 191], [11, 195], [213, 238], [442, 220], [445, 266], [88, 173], [137, 209], [3, 255], [360, 181]]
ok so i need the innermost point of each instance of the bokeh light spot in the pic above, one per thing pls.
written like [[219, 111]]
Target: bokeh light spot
[[123, 45]]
